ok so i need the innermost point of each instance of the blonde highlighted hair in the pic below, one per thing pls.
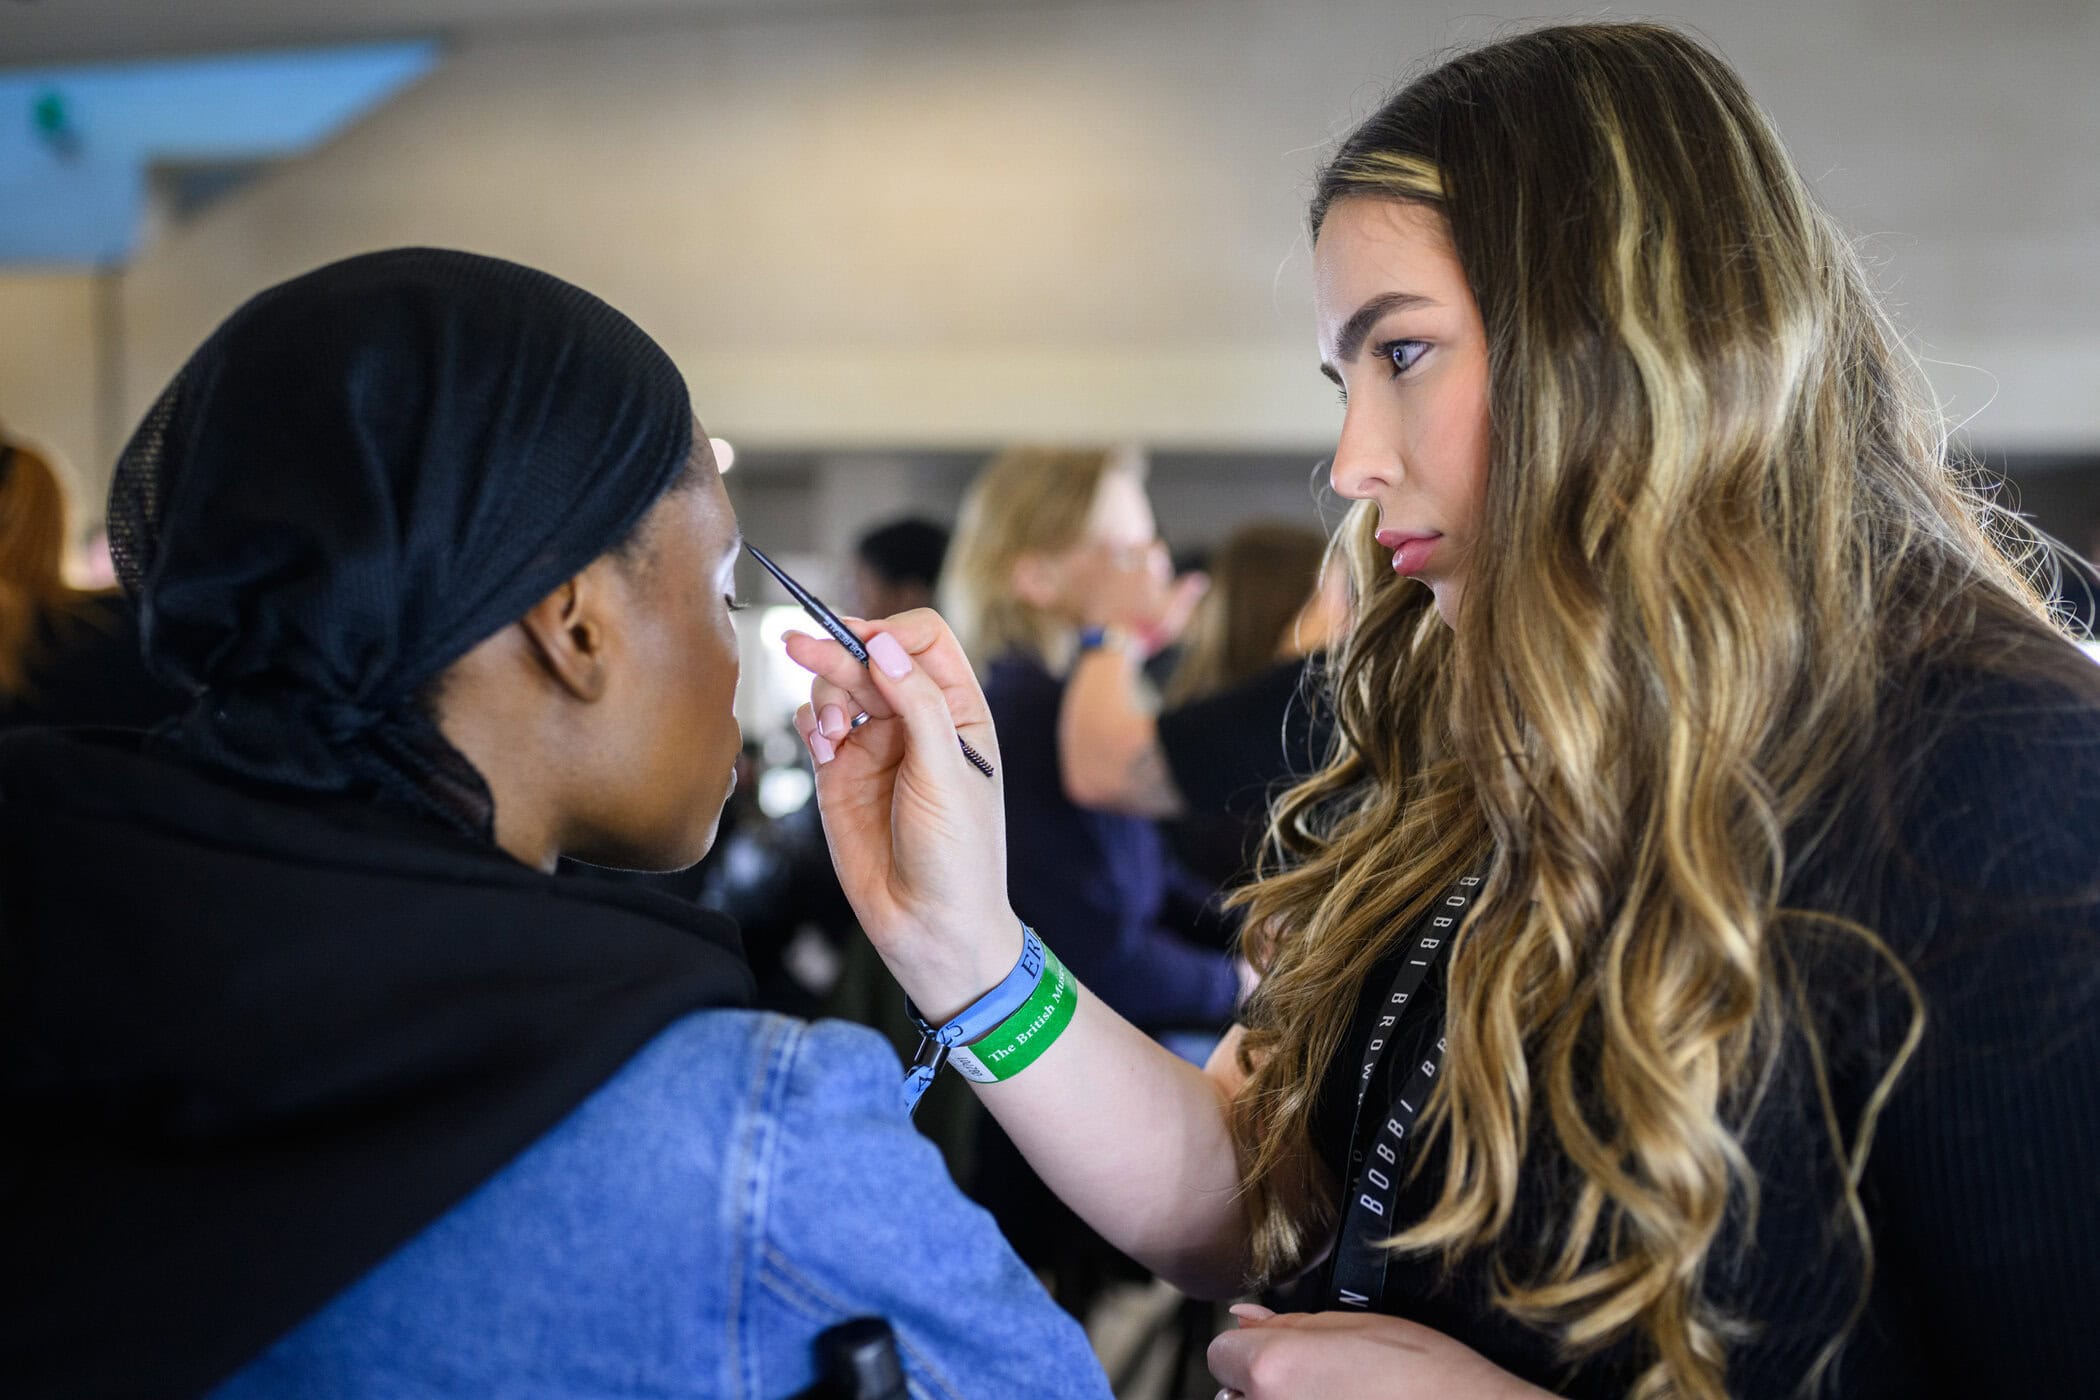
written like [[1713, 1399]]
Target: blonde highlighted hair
[[1719, 519], [1028, 499]]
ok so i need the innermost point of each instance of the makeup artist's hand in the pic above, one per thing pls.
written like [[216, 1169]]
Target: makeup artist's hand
[[917, 834], [1353, 1356]]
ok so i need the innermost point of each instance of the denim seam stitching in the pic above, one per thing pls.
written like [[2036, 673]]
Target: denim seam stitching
[[748, 1192], [789, 1275]]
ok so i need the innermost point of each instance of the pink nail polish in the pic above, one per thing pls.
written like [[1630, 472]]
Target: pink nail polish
[[884, 652], [832, 721], [821, 748]]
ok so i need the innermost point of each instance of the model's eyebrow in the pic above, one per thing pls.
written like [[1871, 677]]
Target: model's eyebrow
[[1359, 325]]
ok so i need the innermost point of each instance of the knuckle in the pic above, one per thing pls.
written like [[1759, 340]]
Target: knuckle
[[1270, 1372]]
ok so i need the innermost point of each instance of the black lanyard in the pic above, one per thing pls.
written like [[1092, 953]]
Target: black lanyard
[[1359, 1264]]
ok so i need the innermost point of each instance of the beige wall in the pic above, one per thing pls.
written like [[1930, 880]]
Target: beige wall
[[48, 373], [955, 226]]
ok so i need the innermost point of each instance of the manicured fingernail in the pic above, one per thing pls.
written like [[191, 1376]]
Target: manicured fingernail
[[821, 747], [885, 652], [1250, 1312], [832, 720]]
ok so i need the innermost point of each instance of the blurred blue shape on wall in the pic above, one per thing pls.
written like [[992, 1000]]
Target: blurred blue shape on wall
[[77, 144]]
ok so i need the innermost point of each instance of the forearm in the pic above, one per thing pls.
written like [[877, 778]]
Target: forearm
[[1108, 739], [1128, 1134], [1135, 1140]]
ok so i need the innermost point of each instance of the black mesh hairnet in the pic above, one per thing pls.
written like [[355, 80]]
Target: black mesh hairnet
[[363, 473]]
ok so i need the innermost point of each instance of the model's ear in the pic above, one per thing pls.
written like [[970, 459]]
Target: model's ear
[[570, 630], [1038, 580]]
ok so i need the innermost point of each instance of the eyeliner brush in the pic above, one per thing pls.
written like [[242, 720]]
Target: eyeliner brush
[[842, 634]]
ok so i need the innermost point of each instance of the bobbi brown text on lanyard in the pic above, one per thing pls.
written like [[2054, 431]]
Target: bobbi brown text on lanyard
[[1375, 1168]]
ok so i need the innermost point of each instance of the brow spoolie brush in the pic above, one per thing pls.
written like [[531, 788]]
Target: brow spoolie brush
[[843, 635]]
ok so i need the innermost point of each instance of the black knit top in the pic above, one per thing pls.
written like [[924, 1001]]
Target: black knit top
[[1982, 1190]]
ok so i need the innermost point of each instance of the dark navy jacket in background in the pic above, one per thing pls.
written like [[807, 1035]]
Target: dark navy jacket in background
[[1100, 888]]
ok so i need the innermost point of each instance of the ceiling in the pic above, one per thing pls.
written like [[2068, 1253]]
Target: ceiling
[[75, 31]]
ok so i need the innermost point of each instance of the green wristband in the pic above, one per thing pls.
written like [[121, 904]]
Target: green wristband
[[1021, 1038]]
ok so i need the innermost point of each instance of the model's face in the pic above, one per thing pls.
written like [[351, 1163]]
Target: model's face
[[679, 742], [1400, 334]]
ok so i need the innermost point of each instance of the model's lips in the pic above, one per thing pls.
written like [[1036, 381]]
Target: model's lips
[[1411, 548]]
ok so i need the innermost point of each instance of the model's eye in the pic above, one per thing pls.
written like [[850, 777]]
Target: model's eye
[[732, 604], [1403, 353]]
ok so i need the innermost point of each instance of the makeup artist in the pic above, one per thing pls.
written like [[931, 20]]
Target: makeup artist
[[315, 1079], [1685, 978]]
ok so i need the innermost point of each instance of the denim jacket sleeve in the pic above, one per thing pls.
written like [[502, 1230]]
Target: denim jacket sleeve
[[848, 1211]]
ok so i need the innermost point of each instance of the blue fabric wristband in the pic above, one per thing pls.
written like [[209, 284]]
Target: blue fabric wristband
[[980, 1018]]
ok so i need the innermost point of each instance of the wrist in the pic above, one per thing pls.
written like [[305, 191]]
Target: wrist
[[981, 957], [1110, 640], [999, 1033]]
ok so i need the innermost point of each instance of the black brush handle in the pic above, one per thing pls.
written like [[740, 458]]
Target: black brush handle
[[843, 635]]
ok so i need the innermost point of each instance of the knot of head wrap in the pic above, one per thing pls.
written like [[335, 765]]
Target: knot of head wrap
[[361, 475], [293, 738]]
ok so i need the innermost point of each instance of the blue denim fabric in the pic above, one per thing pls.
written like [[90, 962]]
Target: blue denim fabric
[[743, 1183]]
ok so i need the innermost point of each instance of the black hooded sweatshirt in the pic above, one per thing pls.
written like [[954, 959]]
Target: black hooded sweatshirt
[[252, 1040]]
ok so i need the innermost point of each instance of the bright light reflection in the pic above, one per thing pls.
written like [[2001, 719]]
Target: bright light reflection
[[785, 790]]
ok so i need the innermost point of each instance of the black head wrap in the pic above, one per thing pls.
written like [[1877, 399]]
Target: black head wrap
[[362, 474]]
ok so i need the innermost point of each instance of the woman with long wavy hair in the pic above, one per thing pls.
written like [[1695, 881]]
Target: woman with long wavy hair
[[1682, 981]]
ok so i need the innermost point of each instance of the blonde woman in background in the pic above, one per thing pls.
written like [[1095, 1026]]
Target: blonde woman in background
[[1765, 1059], [1051, 541], [1242, 717], [67, 655], [1235, 719]]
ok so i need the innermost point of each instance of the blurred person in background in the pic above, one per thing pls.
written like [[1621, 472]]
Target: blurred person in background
[[1243, 717], [1049, 539], [897, 566], [1053, 542], [1262, 580], [68, 656]]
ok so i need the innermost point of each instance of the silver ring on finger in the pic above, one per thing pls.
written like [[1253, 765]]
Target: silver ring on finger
[[859, 719]]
